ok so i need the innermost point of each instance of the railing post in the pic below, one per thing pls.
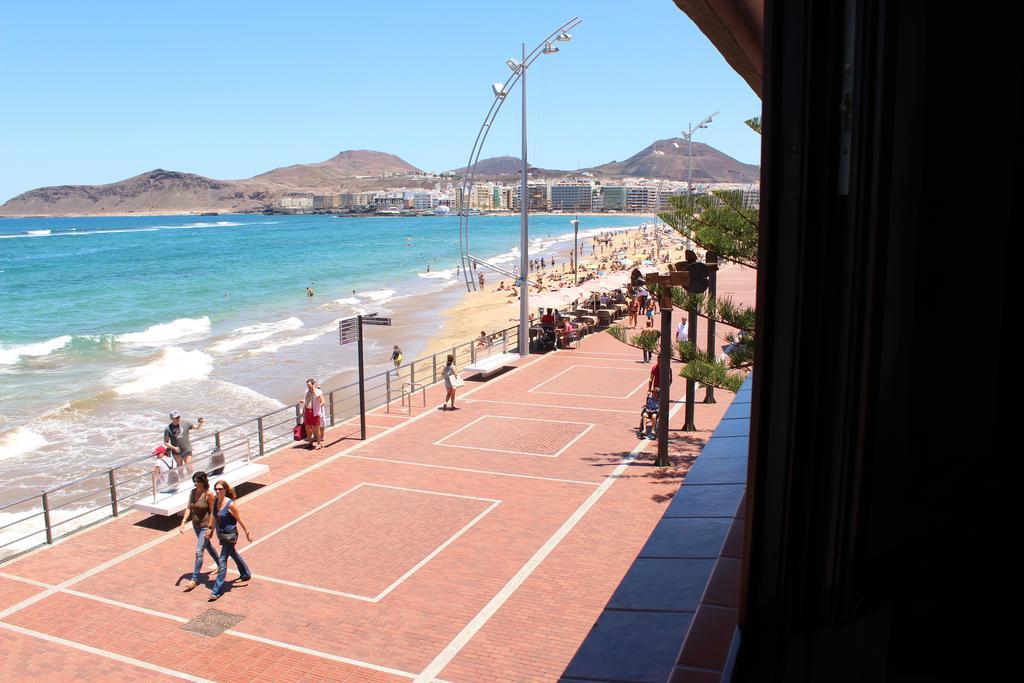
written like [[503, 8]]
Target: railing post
[[504, 341], [330, 401], [433, 375], [46, 519], [472, 353], [412, 372], [298, 413], [259, 433], [113, 491], [387, 388], [216, 439]]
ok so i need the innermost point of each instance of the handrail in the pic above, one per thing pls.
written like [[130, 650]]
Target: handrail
[[116, 476]]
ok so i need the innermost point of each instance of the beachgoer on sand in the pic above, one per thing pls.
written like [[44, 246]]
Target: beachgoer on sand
[[313, 414], [200, 513], [481, 279], [176, 437], [228, 517], [396, 356], [452, 381]]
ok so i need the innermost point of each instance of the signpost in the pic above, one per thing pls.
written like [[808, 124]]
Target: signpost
[[351, 330], [666, 282]]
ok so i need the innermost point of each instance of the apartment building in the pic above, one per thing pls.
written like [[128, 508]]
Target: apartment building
[[574, 197]]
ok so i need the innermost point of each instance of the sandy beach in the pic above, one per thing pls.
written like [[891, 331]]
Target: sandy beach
[[490, 309]]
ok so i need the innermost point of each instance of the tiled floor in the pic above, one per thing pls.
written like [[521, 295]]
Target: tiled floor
[[468, 545]]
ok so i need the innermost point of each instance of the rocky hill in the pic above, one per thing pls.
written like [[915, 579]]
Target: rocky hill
[[161, 191], [155, 191], [668, 159], [329, 174]]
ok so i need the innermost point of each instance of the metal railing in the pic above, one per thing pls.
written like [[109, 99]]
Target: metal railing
[[48, 516]]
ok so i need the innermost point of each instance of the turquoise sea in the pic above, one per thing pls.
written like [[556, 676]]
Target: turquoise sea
[[107, 323]]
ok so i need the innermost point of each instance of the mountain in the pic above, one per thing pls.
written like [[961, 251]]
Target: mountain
[[668, 159], [161, 191], [155, 191], [328, 174], [505, 168]]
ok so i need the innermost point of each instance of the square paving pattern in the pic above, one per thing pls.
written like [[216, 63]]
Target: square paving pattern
[[212, 622], [594, 380], [521, 436], [379, 535]]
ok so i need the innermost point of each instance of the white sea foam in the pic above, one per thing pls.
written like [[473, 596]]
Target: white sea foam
[[507, 257], [439, 274], [176, 331], [295, 341], [171, 365], [13, 355], [378, 296], [37, 232], [254, 333], [19, 441]]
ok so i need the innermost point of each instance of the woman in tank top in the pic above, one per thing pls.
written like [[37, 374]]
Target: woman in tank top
[[200, 512], [228, 518]]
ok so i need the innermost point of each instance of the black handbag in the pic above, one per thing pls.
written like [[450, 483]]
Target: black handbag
[[228, 536]]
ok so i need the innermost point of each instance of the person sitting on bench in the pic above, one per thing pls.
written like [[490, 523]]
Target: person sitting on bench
[[649, 416]]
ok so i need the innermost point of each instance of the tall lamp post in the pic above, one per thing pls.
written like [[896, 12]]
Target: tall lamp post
[[521, 68], [575, 249], [501, 91], [688, 137]]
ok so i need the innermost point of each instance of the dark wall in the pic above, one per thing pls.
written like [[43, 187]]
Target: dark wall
[[881, 436]]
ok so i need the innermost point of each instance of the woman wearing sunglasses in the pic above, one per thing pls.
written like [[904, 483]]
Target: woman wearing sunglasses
[[200, 511], [228, 517]]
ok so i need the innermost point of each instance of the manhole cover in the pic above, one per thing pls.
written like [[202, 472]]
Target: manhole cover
[[212, 622]]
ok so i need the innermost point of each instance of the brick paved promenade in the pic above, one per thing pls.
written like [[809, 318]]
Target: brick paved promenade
[[474, 545]]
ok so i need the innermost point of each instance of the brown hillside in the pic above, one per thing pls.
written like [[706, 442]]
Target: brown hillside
[[330, 174], [662, 159], [155, 191]]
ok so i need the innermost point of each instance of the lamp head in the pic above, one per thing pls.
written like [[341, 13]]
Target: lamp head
[[512, 64], [564, 37], [499, 89], [549, 49]]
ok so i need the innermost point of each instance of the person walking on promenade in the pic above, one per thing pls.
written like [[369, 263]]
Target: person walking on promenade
[[451, 382], [228, 517], [634, 311], [313, 414], [176, 436], [200, 512]]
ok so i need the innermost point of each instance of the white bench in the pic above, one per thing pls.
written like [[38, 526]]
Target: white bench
[[490, 365], [171, 502]]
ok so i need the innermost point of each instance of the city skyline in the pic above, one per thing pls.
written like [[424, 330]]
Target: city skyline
[[104, 93]]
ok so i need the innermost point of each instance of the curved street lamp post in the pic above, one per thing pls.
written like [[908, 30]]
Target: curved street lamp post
[[501, 91]]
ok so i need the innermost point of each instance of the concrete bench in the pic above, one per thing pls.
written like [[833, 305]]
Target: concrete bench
[[172, 502], [490, 365]]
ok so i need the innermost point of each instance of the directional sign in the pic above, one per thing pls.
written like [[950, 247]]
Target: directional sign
[[348, 330], [376, 321]]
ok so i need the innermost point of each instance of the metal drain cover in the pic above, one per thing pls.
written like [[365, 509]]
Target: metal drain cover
[[212, 622]]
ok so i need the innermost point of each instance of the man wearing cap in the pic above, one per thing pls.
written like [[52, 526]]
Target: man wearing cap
[[176, 438]]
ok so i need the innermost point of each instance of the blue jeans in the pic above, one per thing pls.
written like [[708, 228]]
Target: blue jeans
[[228, 550], [202, 542]]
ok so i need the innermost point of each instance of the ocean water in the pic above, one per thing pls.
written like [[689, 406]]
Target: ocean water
[[106, 324]]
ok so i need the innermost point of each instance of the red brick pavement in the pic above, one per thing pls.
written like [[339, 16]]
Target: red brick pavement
[[370, 562]]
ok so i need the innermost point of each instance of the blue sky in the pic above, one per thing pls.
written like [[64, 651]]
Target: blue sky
[[94, 92]]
